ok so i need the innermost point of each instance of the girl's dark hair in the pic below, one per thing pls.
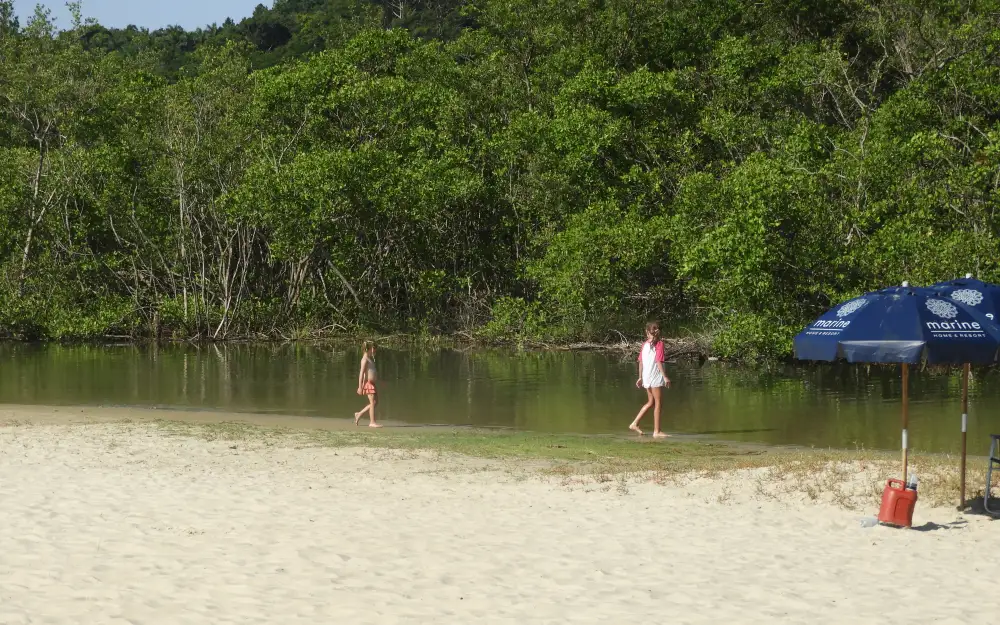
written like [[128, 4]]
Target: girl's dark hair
[[653, 328], [368, 345]]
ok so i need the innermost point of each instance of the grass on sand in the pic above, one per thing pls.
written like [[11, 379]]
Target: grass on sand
[[852, 479]]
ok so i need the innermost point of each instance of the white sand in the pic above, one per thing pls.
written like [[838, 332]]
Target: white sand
[[122, 524]]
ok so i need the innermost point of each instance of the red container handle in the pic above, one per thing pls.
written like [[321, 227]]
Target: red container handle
[[899, 483]]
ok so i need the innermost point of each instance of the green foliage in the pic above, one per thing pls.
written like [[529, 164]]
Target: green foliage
[[753, 337], [288, 30], [514, 319], [525, 171], [600, 267]]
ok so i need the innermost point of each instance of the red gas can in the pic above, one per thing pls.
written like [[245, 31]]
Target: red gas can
[[897, 504]]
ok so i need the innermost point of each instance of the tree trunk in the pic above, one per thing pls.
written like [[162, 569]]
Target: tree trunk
[[32, 218]]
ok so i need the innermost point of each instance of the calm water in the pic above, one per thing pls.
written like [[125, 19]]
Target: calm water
[[829, 406]]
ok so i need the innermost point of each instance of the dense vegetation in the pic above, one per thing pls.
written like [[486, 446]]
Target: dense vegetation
[[545, 170]]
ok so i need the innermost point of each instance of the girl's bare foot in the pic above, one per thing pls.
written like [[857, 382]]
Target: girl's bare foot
[[357, 417], [660, 435], [374, 425], [635, 428]]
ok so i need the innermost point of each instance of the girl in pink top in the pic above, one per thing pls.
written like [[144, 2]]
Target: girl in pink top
[[652, 377]]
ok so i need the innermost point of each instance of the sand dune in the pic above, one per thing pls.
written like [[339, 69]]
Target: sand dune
[[123, 524]]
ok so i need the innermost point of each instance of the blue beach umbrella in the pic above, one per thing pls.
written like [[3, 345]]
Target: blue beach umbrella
[[903, 325], [985, 298], [972, 293]]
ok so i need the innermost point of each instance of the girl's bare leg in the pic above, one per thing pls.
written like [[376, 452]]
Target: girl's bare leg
[[372, 402], [359, 414], [657, 394], [649, 403]]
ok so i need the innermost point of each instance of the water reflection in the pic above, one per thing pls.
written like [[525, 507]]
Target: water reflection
[[835, 406]]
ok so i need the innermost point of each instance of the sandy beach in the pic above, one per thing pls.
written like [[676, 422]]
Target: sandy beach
[[124, 523]]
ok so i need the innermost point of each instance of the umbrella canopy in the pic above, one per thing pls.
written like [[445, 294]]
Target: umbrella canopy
[[985, 298], [973, 294], [901, 325]]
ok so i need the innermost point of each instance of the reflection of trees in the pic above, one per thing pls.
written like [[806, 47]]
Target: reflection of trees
[[548, 391]]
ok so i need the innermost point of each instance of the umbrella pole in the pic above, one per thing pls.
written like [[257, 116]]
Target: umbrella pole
[[906, 415], [965, 428]]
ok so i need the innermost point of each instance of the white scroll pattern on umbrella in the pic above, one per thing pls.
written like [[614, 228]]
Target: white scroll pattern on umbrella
[[942, 308], [969, 297], [852, 307]]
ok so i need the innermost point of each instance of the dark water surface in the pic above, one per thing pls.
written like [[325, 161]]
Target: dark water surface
[[825, 406]]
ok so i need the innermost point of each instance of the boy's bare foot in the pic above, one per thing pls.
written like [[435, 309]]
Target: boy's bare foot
[[635, 428], [660, 435], [374, 425], [357, 417]]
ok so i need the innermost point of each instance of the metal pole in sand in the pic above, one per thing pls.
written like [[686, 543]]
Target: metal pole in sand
[[965, 423], [906, 410], [965, 428], [906, 416]]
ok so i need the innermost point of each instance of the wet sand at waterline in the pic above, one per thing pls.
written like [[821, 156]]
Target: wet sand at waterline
[[78, 415], [14, 414], [125, 523]]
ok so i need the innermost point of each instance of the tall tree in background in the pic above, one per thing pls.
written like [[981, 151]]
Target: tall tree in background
[[507, 169]]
